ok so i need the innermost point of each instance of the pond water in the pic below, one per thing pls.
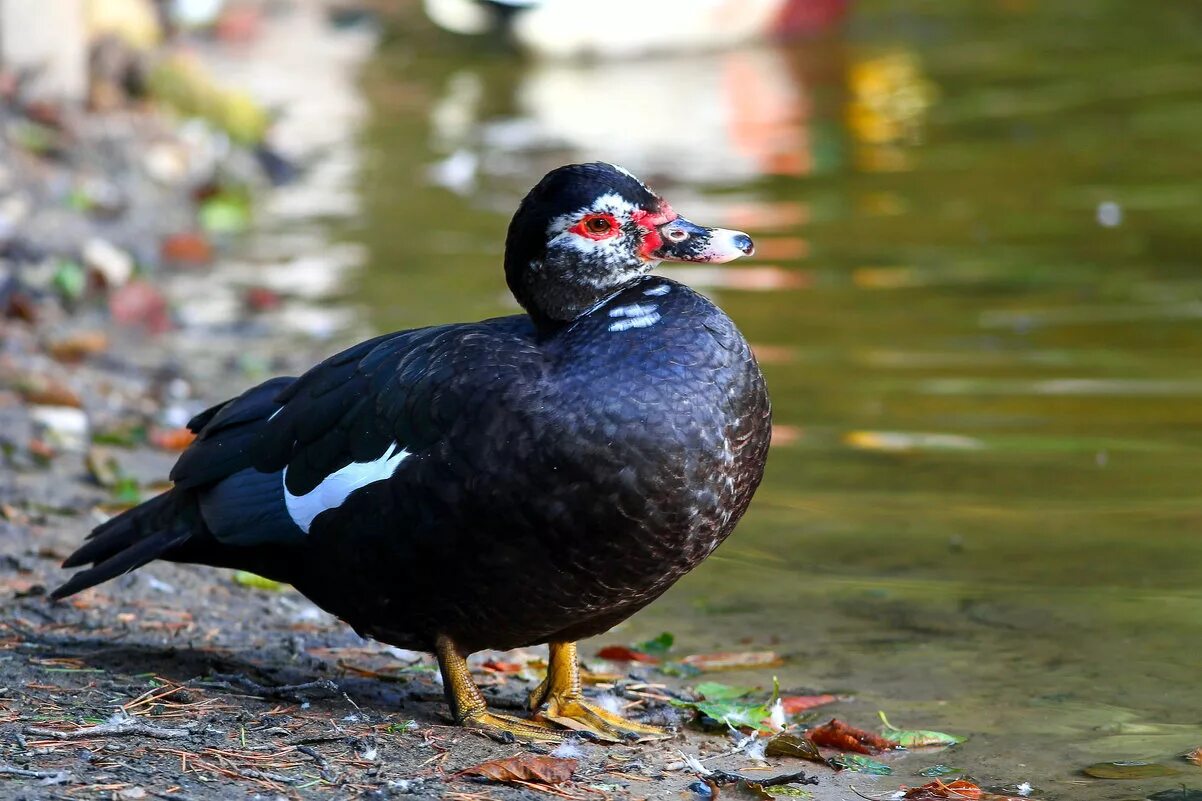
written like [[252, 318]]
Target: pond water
[[978, 303]]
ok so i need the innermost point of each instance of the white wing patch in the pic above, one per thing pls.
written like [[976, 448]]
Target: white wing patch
[[636, 315], [657, 290], [335, 488]]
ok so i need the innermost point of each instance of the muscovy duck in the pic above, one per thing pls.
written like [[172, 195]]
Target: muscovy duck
[[536, 478]]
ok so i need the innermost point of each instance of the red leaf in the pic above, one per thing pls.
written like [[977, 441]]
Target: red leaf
[[502, 667], [838, 734], [796, 704], [620, 653], [525, 768]]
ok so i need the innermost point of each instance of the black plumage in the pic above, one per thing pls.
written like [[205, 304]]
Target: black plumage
[[533, 478]]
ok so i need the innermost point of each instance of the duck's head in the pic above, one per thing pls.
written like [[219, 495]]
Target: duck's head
[[587, 230]]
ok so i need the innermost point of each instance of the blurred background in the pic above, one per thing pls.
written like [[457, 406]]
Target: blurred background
[[976, 298]]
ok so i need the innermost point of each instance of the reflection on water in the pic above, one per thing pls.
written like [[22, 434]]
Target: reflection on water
[[977, 304]]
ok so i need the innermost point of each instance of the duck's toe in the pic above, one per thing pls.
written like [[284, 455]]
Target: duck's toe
[[590, 719], [508, 729]]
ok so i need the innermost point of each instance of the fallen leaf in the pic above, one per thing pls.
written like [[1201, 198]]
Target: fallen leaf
[[837, 734], [657, 647], [497, 666], [745, 788], [733, 660], [79, 345], [70, 279], [794, 745], [714, 691], [525, 768], [37, 388], [225, 213], [860, 764], [248, 579], [916, 738], [621, 653], [171, 439], [796, 704], [959, 789], [1195, 756], [1128, 770], [187, 248]]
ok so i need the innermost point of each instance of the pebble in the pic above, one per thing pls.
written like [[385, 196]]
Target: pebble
[[63, 426], [114, 266]]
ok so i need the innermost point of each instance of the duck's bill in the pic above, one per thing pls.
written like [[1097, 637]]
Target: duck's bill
[[686, 241]]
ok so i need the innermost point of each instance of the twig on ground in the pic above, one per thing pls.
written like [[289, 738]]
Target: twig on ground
[[291, 692], [47, 776], [721, 777], [119, 725]]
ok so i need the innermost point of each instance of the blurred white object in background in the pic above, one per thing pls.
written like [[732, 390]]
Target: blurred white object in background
[[561, 29], [49, 42], [717, 119]]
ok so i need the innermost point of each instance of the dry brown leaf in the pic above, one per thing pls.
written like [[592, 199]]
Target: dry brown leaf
[[79, 345], [525, 768], [733, 660], [837, 734]]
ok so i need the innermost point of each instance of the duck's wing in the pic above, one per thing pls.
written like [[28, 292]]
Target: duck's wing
[[266, 463], [400, 392]]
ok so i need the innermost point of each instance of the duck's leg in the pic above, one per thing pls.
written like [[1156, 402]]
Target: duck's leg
[[468, 706], [565, 704]]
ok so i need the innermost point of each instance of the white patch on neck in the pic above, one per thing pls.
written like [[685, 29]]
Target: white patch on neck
[[335, 488], [636, 315]]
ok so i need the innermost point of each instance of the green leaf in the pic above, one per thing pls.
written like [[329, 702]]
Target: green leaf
[[794, 745], [225, 213], [70, 279], [248, 579], [658, 646], [716, 691], [860, 764], [127, 491], [916, 738]]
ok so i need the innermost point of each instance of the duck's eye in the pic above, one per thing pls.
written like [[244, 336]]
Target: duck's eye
[[598, 225]]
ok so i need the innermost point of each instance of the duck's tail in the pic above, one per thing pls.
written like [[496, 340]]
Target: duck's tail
[[149, 531]]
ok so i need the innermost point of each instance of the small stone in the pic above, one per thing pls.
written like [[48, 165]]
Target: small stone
[[166, 163], [1110, 214], [63, 426], [114, 266]]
